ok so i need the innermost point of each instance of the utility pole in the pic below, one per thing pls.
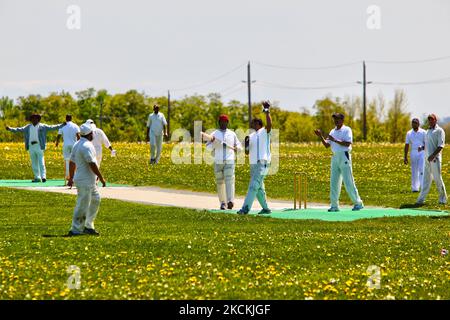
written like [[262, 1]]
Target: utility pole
[[168, 113], [101, 113], [364, 83], [364, 103], [249, 89]]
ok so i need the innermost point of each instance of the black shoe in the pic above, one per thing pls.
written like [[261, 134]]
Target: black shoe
[[222, 206], [73, 234], [44, 180], [36, 180], [230, 205], [265, 211], [91, 232]]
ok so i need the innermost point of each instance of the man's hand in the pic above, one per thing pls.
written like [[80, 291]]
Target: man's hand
[[166, 135], [405, 160], [318, 133], [266, 106], [56, 143], [8, 128], [331, 138], [102, 180], [420, 149], [213, 138], [70, 182]]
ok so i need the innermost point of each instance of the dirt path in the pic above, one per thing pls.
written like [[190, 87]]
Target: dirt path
[[171, 197]]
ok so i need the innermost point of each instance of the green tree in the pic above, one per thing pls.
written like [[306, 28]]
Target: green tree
[[398, 119]]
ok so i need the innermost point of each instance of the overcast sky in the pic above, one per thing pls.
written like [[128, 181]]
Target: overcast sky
[[158, 45]]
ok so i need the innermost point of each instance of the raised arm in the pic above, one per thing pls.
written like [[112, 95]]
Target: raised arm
[[53, 127], [15, 130]]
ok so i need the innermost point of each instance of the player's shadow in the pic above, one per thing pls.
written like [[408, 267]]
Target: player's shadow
[[410, 206], [60, 236]]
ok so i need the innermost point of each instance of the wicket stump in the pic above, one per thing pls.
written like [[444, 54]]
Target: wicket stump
[[300, 189]]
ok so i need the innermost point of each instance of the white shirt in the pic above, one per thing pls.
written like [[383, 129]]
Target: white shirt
[[434, 138], [69, 133], [342, 134], [416, 139], [223, 153], [83, 154], [34, 136], [259, 146], [100, 139], [156, 123]]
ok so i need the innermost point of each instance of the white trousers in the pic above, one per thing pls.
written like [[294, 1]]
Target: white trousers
[[67, 151], [341, 170], [86, 209], [156, 142], [37, 161], [417, 168], [224, 173], [433, 172]]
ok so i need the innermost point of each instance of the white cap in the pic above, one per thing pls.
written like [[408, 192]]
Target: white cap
[[91, 123], [85, 129]]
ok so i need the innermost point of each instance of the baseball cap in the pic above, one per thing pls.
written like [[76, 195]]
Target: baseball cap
[[223, 117], [338, 115], [91, 123], [85, 129]]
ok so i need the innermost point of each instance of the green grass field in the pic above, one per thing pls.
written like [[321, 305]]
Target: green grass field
[[381, 177], [147, 252]]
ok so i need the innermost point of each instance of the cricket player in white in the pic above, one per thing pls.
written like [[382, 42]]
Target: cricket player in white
[[257, 145], [224, 143], [416, 139], [70, 134], [340, 139], [83, 171], [156, 130], [100, 139], [434, 143]]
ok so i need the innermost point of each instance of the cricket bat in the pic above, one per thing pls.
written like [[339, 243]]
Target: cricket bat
[[209, 137]]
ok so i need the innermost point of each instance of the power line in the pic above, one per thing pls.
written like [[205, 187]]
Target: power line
[[233, 91], [308, 68], [410, 61], [201, 84], [410, 83], [283, 86]]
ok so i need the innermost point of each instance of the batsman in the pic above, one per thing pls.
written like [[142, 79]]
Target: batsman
[[225, 144]]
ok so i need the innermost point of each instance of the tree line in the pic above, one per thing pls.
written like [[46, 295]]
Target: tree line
[[123, 116]]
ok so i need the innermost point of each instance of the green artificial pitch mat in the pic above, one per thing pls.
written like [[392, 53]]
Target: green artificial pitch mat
[[345, 214], [48, 183]]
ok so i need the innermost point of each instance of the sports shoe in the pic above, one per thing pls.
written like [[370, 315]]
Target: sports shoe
[[357, 207], [230, 205], [91, 232], [222, 206], [244, 210], [44, 180], [265, 211], [73, 234], [36, 180], [333, 209]]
